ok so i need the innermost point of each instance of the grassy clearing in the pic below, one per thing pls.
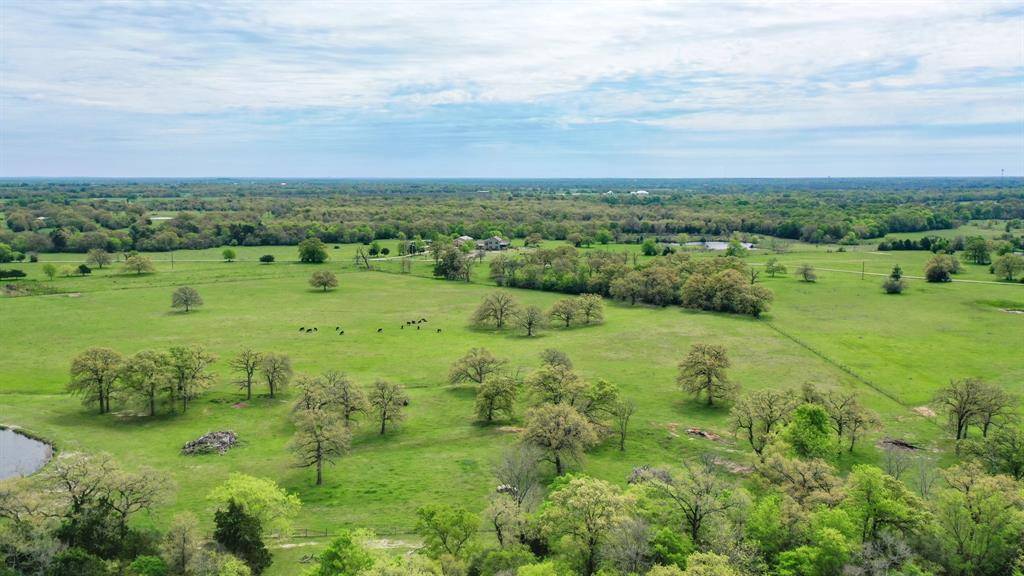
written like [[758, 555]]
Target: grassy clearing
[[841, 331]]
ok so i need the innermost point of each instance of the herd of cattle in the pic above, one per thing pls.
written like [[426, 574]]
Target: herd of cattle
[[340, 332]]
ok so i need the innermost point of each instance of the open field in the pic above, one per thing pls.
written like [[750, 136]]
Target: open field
[[895, 349]]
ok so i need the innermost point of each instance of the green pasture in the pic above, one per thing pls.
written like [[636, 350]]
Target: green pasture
[[841, 331]]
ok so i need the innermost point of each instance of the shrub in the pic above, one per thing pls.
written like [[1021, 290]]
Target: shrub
[[267, 259]]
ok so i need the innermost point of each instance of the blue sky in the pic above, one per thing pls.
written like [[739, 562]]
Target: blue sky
[[527, 89]]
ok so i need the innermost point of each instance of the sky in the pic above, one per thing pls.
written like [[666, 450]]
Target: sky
[[511, 89]]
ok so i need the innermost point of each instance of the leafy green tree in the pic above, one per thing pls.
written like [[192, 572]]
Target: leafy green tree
[[894, 283], [148, 566], [591, 308], [260, 497], [981, 519], [976, 249], [323, 279], [877, 502], [312, 251], [241, 534], [496, 396], [703, 372], [229, 255], [649, 247], [1008, 266], [735, 249], [445, 529], [94, 375], [345, 555], [186, 297], [84, 270], [50, 270], [267, 259], [809, 434], [78, 562], [585, 510], [940, 267]]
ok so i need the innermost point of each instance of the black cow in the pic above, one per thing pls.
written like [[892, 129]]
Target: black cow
[[379, 330]]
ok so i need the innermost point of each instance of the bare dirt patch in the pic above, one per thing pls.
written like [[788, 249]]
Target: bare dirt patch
[[510, 429], [923, 411], [707, 434]]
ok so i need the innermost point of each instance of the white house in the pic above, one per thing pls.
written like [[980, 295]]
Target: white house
[[492, 243]]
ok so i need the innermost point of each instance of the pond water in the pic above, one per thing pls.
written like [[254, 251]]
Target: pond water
[[716, 245], [21, 455]]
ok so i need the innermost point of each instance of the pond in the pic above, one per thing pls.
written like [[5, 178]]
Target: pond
[[716, 245], [21, 455]]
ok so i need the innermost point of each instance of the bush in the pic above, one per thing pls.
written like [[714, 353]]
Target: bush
[[939, 268], [148, 566], [267, 259], [11, 273]]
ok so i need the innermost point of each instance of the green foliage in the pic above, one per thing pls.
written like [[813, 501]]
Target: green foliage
[[345, 555], [809, 434], [261, 498], [78, 562], [148, 566], [649, 247], [229, 255], [241, 534], [877, 501], [312, 251], [445, 529]]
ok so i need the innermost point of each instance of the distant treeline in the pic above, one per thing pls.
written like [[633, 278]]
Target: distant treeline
[[118, 215]]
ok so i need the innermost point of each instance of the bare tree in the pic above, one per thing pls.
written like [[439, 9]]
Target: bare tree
[[320, 437], [961, 401], [530, 320], [188, 366], [622, 411], [389, 401], [276, 370], [497, 308], [145, 376], [703, 372], [565, 311], [560, 431], [994, 404], [94, 374], [760, 414], [475, 366], [246, 363], [591, 308], [186, 297], [698, 494]]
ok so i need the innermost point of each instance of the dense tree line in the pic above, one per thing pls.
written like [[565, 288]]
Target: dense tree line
[[723, 284], [118, 216]]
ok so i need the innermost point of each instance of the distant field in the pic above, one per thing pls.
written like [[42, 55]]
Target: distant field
[[896, 350]]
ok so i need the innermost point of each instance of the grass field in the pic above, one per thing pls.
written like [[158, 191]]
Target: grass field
[[841, 331]]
